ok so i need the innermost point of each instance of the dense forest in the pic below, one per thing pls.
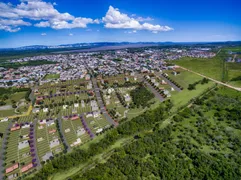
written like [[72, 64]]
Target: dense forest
[[28, 63], [141, 96], [202, 141]]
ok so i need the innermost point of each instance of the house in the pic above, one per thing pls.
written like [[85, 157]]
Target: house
[[163, 82], [26, 168], [127, 98], [110, 90], [99, 130], [40, 139], [89, 114], [96, 114], [75, 117], [76, 105], [47, 156], [4, 120], [42, 122], [82, 103], [36, 110], [54, 143], [50, 123], [25, 126], [11, 168], [65, 106], [80, 131], [52, 131], [67, 130], [23, 144], [156, 84], [45, 110], [13, 176], [15, 128], [167, 93], [89, 86], [94, 105], [40, 127], [153, 80], [78, 141], [87, 77]]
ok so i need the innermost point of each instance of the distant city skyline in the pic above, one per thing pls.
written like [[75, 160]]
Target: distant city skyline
[[49, 22]]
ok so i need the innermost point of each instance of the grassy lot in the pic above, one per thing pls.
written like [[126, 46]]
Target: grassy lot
[[234, 71], [5, 113], [52, 76], [209, 67], [215, 68], [184, 79]]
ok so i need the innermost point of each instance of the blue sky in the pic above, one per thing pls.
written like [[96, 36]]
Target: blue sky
[[53, 22]]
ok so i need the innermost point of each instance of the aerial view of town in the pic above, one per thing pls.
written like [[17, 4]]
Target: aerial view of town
[[115, 109]]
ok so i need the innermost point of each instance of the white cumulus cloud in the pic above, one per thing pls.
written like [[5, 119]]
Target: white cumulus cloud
[[115, 19], [43, 12], [43, 34]]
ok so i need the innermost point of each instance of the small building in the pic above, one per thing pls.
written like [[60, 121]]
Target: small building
[[76, 105], [87, 77], [127, 98], [73, 118], [26, 168], [25, 126], [99, 130], [47, 156], [96, 114], [23, 144], [11, 168], [50, 123], [54, 143], [67, 130], [82, 103], [45, 110], [65, 106], [13, 176], [42, 122], [15, 128], [4, 120], [77, 142], [80, 131], [52, 131], [36, 110]]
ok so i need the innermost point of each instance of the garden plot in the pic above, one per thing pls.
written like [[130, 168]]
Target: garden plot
[[68, 83], [98, 124], [118, 80], [19, 158], [48, 140], [74, 131], [113, 104], [24, 119]]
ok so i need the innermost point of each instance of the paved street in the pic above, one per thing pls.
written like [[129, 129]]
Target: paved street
[[170, 83], [62, 133], [100, 102], [3, 150]]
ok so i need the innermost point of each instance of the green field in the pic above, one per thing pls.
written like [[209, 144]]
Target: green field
[[215, 67], [184, 79], [52, 76]]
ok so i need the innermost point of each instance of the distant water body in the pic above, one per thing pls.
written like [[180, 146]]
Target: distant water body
[[104, 48]]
